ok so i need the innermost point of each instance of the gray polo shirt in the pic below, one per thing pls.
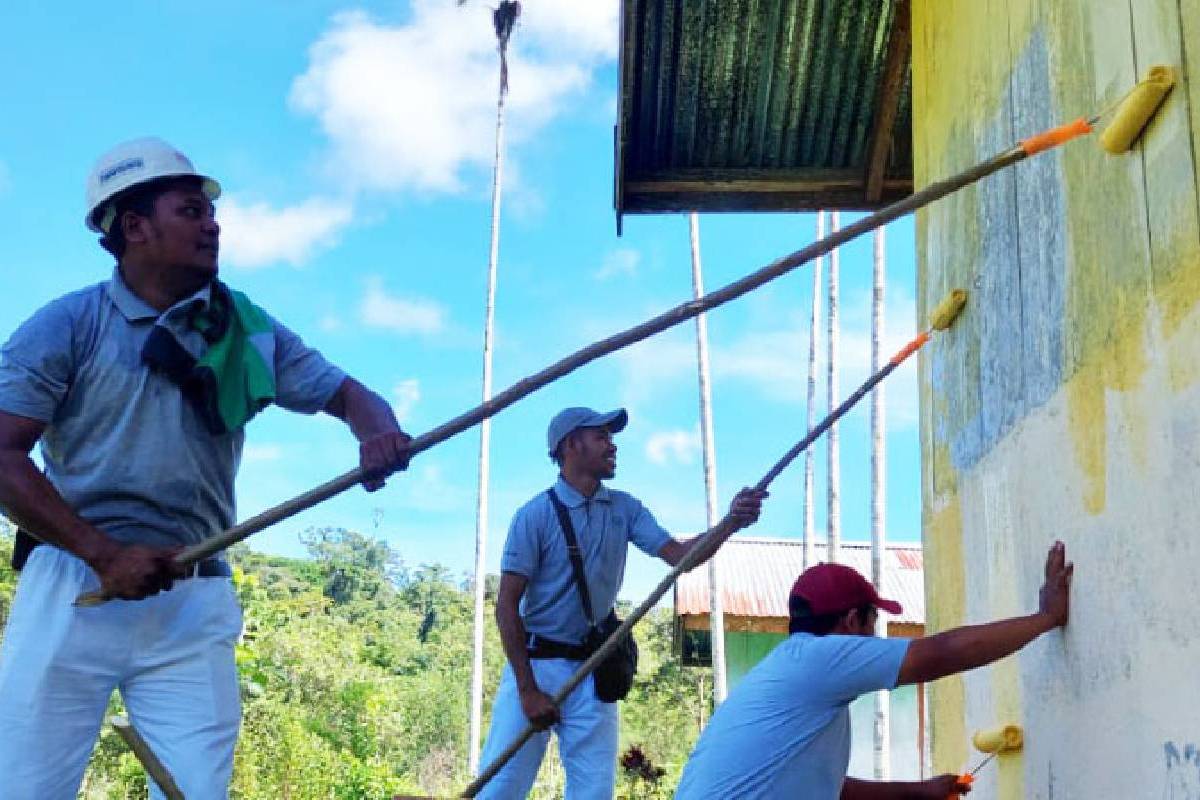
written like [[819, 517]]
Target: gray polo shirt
[[122, 445], [605, 524]]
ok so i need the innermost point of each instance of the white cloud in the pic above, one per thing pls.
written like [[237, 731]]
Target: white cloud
[[330, 323], [582, 27], [405, 396], [257, 453], [401, 315], [413, 106], [256, 235], [680, 447], [620, 263]]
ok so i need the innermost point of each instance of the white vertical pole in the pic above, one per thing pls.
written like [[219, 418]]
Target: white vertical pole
[[883, 767], [813, 334], [834, 514], [485, 438], [716, 614]]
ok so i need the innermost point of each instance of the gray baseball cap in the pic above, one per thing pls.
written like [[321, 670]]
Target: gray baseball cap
[[570, 419]]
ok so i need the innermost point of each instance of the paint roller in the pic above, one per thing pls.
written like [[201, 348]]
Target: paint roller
[[1135, 110], [993, 741]]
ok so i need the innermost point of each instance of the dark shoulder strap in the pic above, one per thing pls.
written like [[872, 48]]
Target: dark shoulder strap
[[564, 519]]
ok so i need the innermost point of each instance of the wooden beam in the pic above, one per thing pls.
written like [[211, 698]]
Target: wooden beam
[[895, 67], [814, 186], [708, 199]]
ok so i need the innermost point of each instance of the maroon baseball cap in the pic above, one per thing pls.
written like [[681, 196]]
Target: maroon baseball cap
[[832, 588]]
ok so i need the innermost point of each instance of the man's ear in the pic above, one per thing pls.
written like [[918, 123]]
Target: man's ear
[[134, 227]]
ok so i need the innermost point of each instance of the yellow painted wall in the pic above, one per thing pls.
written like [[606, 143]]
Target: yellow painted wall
[[1066, 401]]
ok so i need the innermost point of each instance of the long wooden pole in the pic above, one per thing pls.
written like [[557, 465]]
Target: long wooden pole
[[716, 614], [809, 541], [149, 761], [883, 723], [527, 386], [833, 477], [485, 439]]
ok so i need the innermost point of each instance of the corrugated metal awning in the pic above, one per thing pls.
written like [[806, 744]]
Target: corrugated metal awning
[[757, 576], [773, 105]]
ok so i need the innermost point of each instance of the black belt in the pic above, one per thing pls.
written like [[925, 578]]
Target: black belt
[[541, 647], [208, 568]]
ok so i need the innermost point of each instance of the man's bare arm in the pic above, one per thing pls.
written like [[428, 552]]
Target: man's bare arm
[[743, 512], [536, 704], [939, 788], [383, 446], [973, 646], [30, 500]]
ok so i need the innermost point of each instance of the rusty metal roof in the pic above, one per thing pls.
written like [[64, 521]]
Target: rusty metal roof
[[757, 575], [733, 105]]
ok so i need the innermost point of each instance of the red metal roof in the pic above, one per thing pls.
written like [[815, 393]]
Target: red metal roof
[[757, 574]]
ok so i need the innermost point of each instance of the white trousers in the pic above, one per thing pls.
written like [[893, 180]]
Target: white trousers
[[171, 656], [587, 737]]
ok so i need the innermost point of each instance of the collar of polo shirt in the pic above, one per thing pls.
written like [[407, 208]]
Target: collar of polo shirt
[[134, 308], [571, 498]]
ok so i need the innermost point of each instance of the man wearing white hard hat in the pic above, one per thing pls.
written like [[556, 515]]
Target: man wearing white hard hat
[[563, 564], [138, 390]]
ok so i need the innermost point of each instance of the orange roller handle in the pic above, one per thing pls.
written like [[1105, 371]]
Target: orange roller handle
[[1055, 136], [910, 348], [963, 780]]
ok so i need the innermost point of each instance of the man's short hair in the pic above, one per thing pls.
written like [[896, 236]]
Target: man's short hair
[[139, 199], [557, 455], [802, 620]]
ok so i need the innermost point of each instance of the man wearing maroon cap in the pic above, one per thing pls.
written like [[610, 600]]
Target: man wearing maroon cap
[[784, 731]]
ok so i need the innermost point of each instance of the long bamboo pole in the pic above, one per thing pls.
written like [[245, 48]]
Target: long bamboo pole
[[709, 542], [485, 440], [833, 477], [716, 615], [809, 540], [883, 725], [667, 319], [149, 761]]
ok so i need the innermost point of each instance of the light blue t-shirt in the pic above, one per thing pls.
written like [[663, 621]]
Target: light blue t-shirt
[[122, 445], [784, 730], [604, 524]]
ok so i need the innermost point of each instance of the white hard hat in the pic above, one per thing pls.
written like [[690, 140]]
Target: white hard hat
[[131, 163]]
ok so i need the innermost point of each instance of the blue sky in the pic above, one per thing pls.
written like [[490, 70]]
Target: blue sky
[[354, 142]]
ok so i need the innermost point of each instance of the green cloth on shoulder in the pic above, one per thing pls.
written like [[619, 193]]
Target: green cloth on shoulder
[[242, 382], [234, 378]]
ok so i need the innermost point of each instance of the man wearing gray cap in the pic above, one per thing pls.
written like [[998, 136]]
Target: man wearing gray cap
[[542, 615], [138, 389]]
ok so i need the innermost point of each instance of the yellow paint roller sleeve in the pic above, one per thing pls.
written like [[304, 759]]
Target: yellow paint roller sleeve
[[1136, 110], [1001, 739], [948, 310]]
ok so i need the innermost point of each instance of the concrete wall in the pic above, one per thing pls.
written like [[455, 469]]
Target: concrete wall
[[1066, 402]]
